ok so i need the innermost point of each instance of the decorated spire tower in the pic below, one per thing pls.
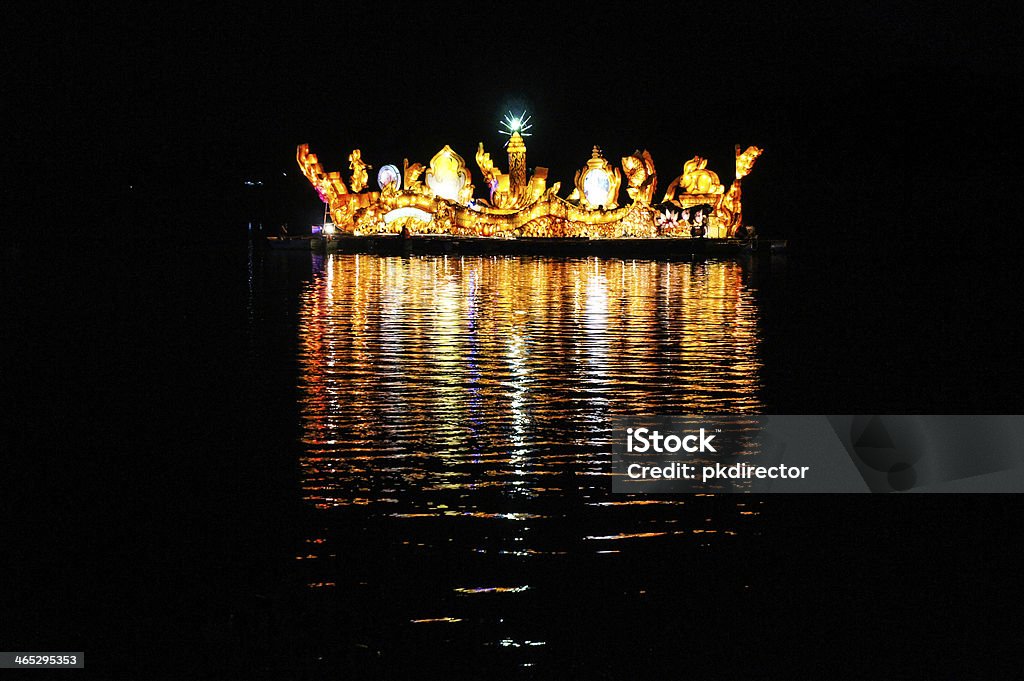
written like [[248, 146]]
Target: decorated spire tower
[[516, 128], [517, 164]]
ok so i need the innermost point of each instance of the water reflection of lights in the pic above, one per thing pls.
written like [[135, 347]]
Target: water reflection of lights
[[460, 407], [477, 373], [518, 399]]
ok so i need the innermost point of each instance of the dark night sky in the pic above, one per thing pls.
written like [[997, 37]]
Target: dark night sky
[[856, 105]]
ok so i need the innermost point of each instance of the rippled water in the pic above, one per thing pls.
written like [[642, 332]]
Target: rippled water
[[364, 467], [456, 420]]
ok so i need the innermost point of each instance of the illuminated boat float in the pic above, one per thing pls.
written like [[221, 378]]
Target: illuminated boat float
[[433, 209]]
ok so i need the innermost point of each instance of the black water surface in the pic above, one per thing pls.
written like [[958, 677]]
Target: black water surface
[[178, 513]]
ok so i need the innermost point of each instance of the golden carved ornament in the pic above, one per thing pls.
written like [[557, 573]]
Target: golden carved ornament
[[641, 179], [332, 185], [411, 176], [329, 184], [493, 179], [606, 178], [448, 177], [696, 179], [591, 211], [504, 193], [358, 168], [728, 213], [537, 186], [489, 171], [745, 161], [729, 210]]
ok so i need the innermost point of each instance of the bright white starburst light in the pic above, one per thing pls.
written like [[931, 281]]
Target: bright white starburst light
[[513, 124]]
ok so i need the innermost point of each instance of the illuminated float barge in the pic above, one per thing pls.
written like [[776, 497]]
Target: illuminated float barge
[[433, 210]]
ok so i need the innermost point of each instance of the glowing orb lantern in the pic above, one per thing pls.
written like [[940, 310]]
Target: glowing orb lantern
[[597, 187], [597, 184], [389, 175]]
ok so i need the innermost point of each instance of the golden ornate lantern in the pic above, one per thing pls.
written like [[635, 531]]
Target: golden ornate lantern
[[597, 183]]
